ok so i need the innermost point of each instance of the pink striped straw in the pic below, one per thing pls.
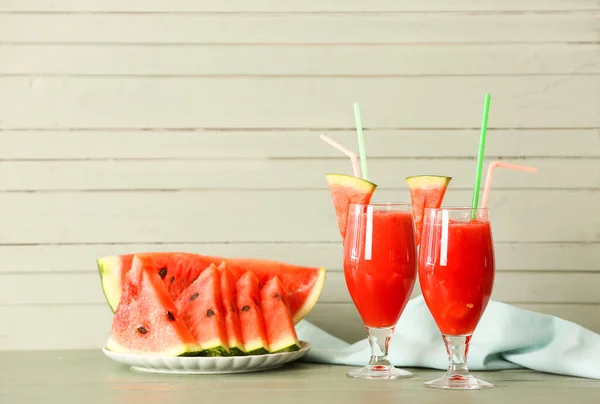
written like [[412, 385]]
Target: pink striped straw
[[488, 180], [352, 155]]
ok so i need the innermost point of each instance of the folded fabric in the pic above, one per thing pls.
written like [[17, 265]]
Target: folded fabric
[[506, 338]]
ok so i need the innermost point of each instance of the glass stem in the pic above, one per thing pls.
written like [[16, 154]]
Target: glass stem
[[458, 349], [379, 340]]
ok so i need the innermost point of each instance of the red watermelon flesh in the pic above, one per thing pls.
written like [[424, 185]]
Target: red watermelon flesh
[[147, 321], [304, 284], [201, 307], [232, 321], [344, 190], [426, 191], [281, 334], [252, 322]]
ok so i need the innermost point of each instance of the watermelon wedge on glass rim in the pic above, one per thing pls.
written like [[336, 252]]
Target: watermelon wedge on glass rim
[[426, 191], [347, 189], [178, 270]]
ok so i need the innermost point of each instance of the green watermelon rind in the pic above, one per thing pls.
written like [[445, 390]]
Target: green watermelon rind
[[312, 298], [177, 350], [110, 280], [217, 351], [286, 345]]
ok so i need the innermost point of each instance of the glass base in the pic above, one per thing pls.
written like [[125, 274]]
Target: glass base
[[459, 382], [379, 372]]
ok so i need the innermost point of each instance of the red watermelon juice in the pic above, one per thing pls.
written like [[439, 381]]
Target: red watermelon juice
[[380, 261], [456, 269]]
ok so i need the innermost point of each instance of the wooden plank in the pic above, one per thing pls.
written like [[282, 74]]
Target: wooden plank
[[88, 326], [304, 6], [298, 60], [520, 287], [276, 174], [78, 102], [274, 28], [259, 216], [216, 144], [82, 257]]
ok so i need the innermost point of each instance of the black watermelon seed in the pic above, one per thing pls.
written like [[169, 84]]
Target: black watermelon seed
[[142, 330], [245, 308], [277, 296], [210, 313], [172, 279], [194, 297], [162, 273], [171, 316]]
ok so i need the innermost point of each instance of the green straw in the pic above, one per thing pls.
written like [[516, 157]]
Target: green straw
[[361, 142], [482, 136]]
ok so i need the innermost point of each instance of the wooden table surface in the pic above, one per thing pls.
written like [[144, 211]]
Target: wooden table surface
[[88, 377]]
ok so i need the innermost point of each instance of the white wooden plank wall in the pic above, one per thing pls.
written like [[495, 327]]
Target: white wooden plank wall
[[194, 125]]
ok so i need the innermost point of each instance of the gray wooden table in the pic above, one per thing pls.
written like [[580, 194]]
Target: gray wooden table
[[88, 377]]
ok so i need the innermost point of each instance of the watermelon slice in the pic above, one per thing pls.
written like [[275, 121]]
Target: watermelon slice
[[344, 190], [147, 321], [178, 270], [426, 191], [232, 321], [201, 308], [252, 322], [281, 334]]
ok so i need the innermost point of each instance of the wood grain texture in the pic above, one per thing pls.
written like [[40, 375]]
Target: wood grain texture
[[304, 60], [306, 29], [258, 216], [206, 144], [311, 6], [279, 174], [85, 102]]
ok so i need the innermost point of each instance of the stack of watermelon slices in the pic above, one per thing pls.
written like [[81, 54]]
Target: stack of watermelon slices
[[183, 304]]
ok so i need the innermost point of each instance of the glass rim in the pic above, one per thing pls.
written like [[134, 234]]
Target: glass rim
[[457, 208], [381, 204]]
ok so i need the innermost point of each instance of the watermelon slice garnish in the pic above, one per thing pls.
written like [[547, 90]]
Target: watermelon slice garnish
[[146, 321], [426, 191], [347, 189], [281, 334], [178, 270]]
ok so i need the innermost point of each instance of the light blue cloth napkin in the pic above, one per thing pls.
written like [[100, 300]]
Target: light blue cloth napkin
[[506, 338]]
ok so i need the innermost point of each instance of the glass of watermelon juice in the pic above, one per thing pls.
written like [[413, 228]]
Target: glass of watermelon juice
[[456, 275], [380, 271]]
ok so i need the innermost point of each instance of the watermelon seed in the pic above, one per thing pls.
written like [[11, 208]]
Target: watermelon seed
[[210, 313], [245, 308], [232, 308], [171, 316], [142, 330], [162, 273], [194, 297], [277, 296], [172, 279]]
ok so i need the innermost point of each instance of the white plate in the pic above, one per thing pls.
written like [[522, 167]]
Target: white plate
[[207, 365]]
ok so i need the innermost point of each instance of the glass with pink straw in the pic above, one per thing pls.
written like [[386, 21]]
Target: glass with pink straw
[[379, 259]]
